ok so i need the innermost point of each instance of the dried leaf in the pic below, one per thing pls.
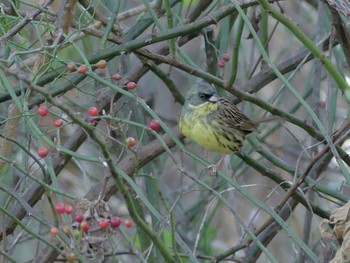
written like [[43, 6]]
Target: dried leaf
[[325, 229], [340, 218], [93, 245]]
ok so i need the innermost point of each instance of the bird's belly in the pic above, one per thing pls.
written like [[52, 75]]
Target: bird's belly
[[203, 134]]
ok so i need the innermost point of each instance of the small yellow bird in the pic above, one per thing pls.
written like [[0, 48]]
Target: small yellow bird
[[214, 122]]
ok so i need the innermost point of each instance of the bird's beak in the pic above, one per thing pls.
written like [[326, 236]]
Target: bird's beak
[[214, 98]]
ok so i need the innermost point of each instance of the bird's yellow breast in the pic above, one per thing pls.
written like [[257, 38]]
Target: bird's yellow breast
[[196, 125]]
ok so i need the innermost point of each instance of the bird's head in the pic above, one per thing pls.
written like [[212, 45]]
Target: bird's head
[[200, 93]]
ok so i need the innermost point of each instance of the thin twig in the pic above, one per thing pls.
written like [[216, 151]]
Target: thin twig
[[26, 20]]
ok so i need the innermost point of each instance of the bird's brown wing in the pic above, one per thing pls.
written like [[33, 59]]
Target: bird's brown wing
[[234, 117]]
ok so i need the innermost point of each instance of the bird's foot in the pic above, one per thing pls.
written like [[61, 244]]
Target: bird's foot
[[213, 170]]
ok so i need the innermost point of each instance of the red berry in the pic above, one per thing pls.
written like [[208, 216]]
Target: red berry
[[54, 231], [84, 226], [70, 67], [101, 64], [93, 111], [58, 123], [225, 57], [42, 110], [116, 76], [221, 63], [115, 221], [131, 85], [82, 69], [43, 152], [79, 218], [60, 208], [154, 124], [68, 209], [128, 223], [130, 142], [103, 223]]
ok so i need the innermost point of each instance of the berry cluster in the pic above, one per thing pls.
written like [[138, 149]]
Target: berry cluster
[[102, 64], [93, 111], [114, 221], [63, 208], [43, 111], [81, 226], [225, 58], [152, 124]]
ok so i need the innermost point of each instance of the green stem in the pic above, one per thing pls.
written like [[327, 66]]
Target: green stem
[[235, 53], [169, 15]]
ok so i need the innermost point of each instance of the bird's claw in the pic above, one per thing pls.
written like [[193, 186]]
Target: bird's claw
[[213, 170]]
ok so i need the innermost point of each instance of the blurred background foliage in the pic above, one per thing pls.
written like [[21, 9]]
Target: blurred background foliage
[[288, 64]]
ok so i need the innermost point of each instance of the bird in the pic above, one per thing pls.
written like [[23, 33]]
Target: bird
[[214, 122]]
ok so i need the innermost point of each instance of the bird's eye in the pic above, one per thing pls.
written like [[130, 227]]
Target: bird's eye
[[204, 96]]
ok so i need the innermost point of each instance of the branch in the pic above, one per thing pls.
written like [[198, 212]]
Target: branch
[[26, 20]]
